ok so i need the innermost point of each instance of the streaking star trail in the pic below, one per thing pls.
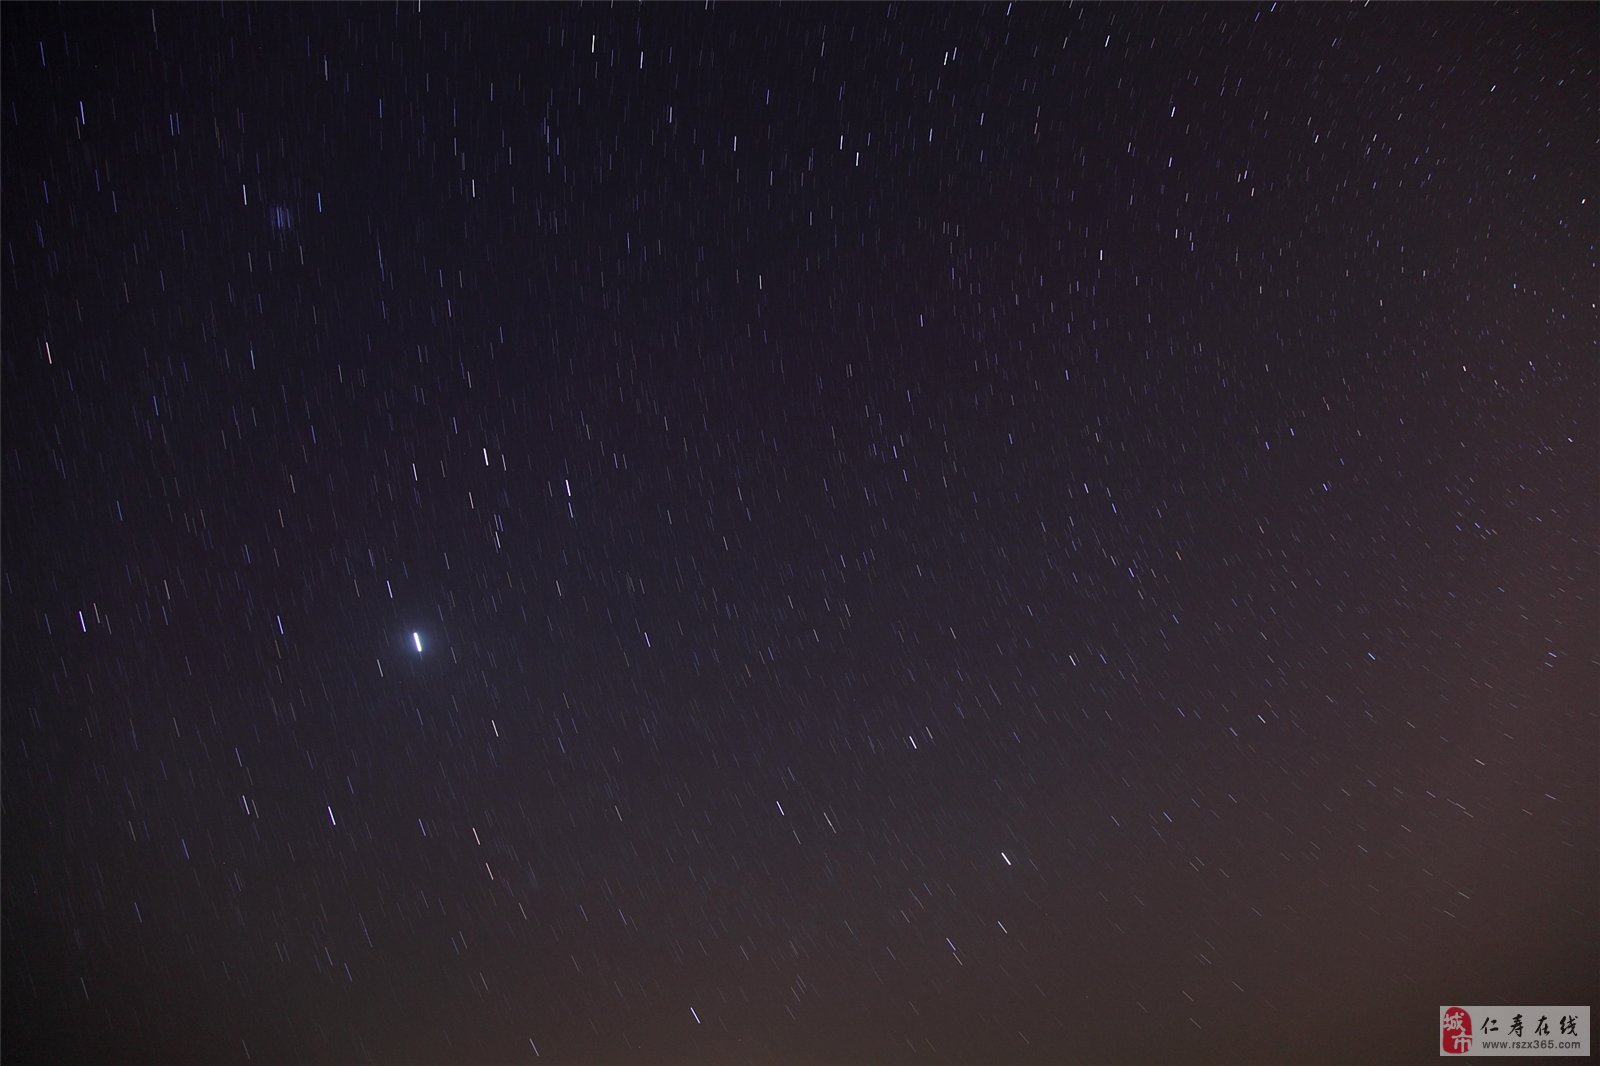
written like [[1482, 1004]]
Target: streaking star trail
[[837, 446]]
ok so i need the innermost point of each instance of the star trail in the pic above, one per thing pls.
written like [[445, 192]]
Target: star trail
[[795, 534]]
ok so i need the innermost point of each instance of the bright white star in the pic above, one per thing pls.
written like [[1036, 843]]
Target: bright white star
[[416, 638]]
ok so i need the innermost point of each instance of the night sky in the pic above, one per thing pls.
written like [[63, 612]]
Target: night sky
[[796, 534]]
